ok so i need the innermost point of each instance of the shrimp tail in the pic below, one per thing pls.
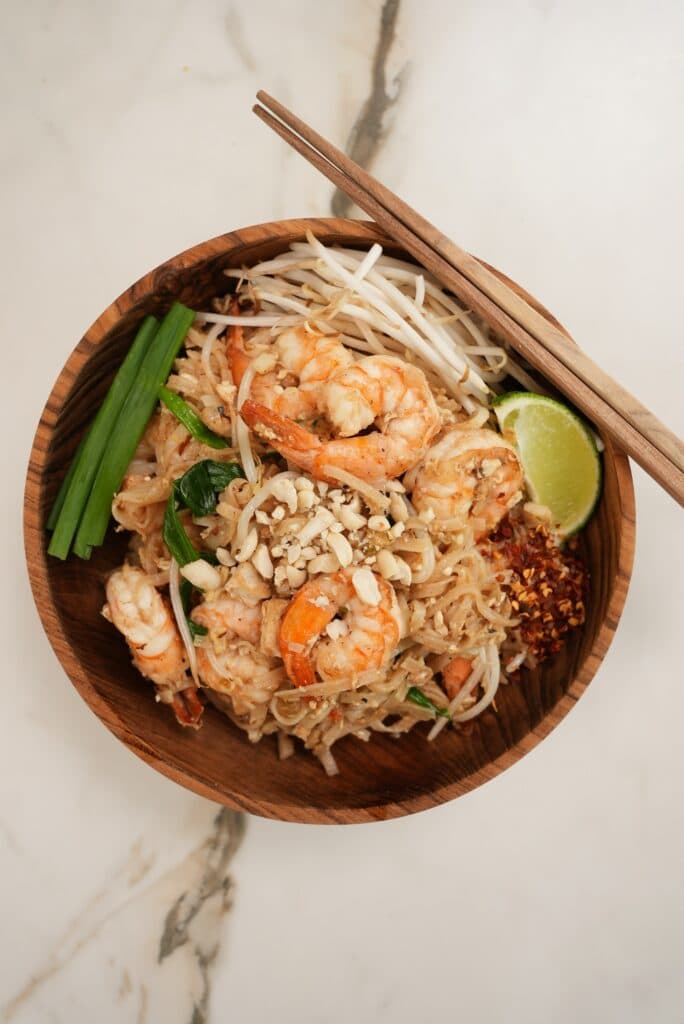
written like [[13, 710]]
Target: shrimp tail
[[188, 707], [293, 441]]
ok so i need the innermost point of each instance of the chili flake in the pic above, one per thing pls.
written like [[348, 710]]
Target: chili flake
[[547, 585]]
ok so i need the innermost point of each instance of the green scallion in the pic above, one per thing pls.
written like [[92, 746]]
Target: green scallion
[[66, 484], [186, 415], [417, 696], [101, 438], [173, 532], [130, 425]]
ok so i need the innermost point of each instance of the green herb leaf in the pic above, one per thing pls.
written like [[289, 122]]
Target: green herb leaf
[[199, 487], [186, 415], [173, 532], [417, 696]]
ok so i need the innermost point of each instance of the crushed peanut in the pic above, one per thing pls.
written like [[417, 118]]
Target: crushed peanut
[[337, 629], [225, 558], [366, 586], [293, 552], [341, 548], [202, 575], [397, 508], [295, 577], [350, 519], [306, 500], [261, 560], [284, 490], [323, 563], [387, 564], [249, 547]]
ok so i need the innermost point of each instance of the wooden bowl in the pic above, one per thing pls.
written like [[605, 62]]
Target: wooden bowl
[[381, 779]]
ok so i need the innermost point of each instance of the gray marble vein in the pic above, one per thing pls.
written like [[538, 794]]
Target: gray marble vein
[[369, 127], [225, 838], [188, 901]]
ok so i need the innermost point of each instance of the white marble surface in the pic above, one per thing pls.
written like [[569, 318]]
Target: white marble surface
[[546, 137]]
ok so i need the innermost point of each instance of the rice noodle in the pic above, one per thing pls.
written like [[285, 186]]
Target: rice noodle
[[492, 676], [241, 428], [207, 346], [243, 321], [181, 621], [286, 747], [375, 498], [424, 547], [326, 758], [453, 602]]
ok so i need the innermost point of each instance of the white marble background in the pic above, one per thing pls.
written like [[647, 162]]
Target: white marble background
[[545, 136]]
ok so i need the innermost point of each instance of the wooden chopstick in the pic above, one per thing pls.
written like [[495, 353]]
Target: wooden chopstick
[[607, 404]]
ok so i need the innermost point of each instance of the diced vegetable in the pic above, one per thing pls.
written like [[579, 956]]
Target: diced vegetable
[[186, 415], [417, 696], [73, 495], [130, 425]]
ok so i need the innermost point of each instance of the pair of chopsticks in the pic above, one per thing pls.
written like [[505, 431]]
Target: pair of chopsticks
[[605, 402]]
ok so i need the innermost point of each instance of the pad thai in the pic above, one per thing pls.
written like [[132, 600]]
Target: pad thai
[[329, 535]]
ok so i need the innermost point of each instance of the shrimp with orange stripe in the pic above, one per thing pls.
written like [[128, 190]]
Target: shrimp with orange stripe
[[288, 378], [382, 392], [363, 611]]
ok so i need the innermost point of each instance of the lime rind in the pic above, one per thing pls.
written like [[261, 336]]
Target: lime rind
[[546, 476]]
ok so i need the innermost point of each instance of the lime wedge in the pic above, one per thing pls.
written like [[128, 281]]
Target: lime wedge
[[559, 457]]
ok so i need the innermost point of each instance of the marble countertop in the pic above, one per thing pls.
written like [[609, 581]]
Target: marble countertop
[[545, 137]]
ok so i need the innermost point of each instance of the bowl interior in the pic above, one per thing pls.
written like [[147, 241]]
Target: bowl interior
[[379, 779]]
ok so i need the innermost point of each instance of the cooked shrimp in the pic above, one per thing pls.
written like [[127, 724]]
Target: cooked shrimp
[[311, 356], [379, 390], [302, 353], [242, 672], [139, 611], [360, 635], [469, 478], [229, 616]]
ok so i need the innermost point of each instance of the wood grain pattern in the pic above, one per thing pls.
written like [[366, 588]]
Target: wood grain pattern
[[546, 347], [382, 779]]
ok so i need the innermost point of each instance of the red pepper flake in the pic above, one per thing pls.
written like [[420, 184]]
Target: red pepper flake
[[547, 587]]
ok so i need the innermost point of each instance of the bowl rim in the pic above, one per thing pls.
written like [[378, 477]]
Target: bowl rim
[[360, 232]]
